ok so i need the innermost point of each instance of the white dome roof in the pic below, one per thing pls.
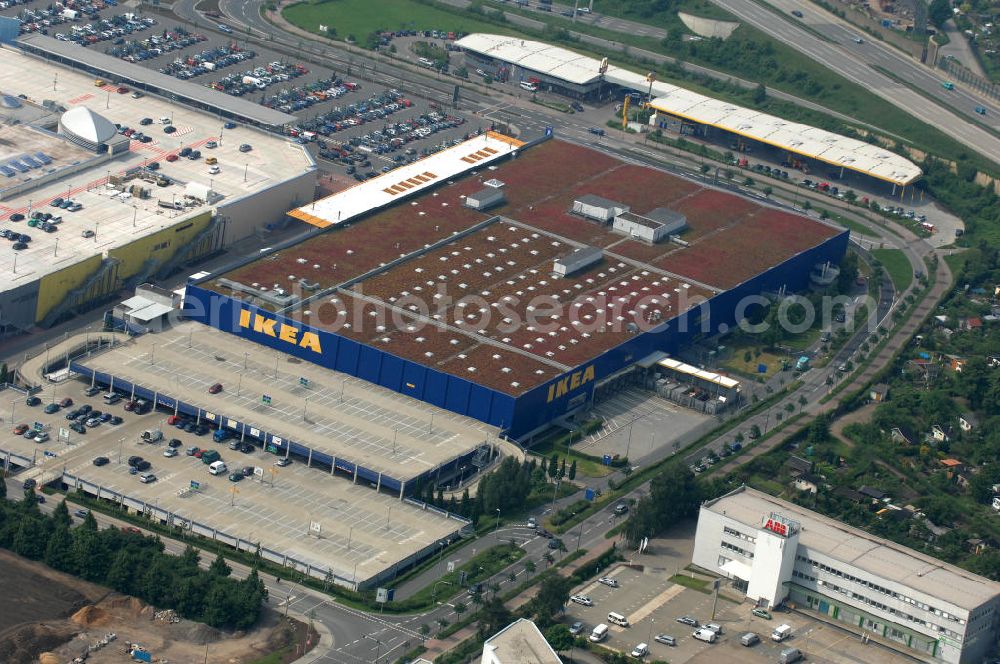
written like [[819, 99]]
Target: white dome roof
[[88, 125]]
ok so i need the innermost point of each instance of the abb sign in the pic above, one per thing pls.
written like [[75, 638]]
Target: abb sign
[[779, 525], [776, 526]]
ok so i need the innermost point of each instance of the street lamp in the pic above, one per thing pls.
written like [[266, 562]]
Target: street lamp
[[496, 532]]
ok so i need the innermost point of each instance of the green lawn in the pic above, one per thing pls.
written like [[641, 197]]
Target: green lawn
[[896, 266], [362, 17]]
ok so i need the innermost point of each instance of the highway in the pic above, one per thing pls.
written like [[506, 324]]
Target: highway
[[855, 62]]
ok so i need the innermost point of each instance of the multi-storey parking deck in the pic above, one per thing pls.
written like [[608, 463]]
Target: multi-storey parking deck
[[330, 420]]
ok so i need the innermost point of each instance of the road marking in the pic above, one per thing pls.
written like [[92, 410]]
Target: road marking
[[656, 602]]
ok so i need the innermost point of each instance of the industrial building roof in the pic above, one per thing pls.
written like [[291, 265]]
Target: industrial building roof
[[399, 280], [877, 556], [405, 181], [150, 79], [798, 138], [519, 643], [114, 217]]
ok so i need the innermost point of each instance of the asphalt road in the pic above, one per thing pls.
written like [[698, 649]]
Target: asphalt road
[[855, 62]]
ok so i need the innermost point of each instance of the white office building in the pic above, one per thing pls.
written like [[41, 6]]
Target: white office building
[[518, 643], [776, 551]]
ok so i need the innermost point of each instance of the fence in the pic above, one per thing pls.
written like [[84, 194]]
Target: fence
[[966, 76]]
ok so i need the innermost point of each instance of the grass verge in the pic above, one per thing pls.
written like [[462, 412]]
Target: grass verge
[[897, 266]]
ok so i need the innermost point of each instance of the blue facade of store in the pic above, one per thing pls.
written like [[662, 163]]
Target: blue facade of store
[[518, 416]]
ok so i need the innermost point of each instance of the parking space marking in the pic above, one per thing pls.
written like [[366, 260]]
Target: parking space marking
[[656, 603]]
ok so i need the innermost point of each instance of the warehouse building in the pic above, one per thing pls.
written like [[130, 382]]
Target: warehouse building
[[105, 211], [776, 551], [468, 311], [559, 70]]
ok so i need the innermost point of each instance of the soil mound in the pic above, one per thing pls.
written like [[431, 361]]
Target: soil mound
[[91, 616], [22, 645]]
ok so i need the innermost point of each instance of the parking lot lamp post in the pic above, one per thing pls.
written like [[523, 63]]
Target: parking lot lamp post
[[579, 536], [650, 637], [350, 536], [239, 384], [245, 355], [496, 531], [152, 353], [555, 489]]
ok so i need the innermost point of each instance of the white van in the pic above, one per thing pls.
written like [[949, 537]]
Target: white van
[[618, 619], [781, 632], [217, 468], [599, 634], [706, 635], [165, 120], [529, 86]]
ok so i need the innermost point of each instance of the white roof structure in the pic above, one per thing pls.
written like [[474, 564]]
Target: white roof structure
[[825, 146], [718, 379], [405, 181], [88, 125], [519, 643]]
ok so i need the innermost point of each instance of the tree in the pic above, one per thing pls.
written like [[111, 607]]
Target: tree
[[219, 567], [459, 608], [552, 597], [529, 567], [572, 471], [559, 638], [562, 469], [939, 12], [759, 94], [554, 466], [59, 550], [767, 191], [492, 617]]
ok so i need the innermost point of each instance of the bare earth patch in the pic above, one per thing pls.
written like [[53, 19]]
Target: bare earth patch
[[50, 617]]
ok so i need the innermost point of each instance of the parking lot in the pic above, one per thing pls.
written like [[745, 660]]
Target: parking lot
[[335, 413], [638, 424], [652, 603], [360, 532], [336, 108]]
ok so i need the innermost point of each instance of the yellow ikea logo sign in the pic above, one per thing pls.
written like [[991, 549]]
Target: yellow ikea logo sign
[[570, 383], [287, 333]]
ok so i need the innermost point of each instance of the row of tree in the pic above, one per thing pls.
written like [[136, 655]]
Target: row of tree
[[132, 564], [508, 489]]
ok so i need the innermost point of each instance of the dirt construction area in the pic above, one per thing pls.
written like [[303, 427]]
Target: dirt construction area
[[53, 618]]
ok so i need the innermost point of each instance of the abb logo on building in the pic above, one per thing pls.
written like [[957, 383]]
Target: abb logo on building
[[776, 527], [779, 525]]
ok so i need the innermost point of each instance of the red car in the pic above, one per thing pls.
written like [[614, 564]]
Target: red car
[[171, 157], [173, 419], [122, 90], [197, 455], [66, 403], [20, 429], [215, 389]]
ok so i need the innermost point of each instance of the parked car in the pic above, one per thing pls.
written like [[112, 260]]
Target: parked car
[[101, 461], [761, 613], [665, 639], [688, 620], [282, 462], [51, 408], [32, 401], [81, 512], [170, 452], [576, 628], [147, 478], [608, 581], [583, 600], [20, 429]]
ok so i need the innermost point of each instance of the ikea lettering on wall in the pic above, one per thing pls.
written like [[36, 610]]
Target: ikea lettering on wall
[[272, 328], [569, 383]]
